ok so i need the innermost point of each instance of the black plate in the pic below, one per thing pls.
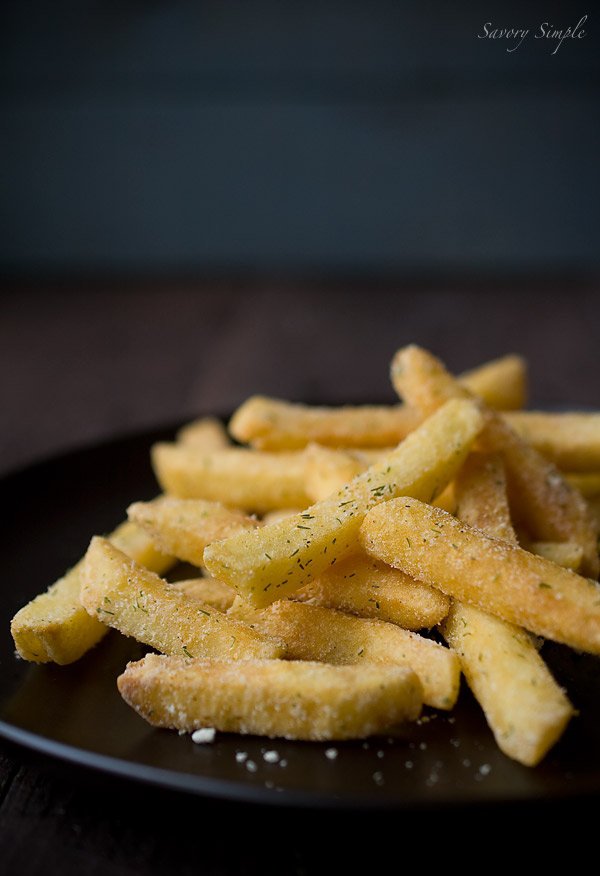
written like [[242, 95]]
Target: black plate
[[75, 712]]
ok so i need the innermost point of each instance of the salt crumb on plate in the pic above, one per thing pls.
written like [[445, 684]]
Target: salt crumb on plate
[[203, 735], [331, 753]]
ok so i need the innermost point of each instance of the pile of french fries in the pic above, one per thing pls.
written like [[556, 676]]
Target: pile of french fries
[[353, 564]]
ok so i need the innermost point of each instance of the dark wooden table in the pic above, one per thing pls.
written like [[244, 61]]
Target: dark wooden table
[[84, 361]]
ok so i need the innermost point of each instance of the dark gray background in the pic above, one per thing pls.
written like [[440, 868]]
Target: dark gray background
[[340, 134]]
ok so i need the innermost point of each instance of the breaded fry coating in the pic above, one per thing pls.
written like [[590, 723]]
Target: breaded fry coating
[[311, 632], [140, 604], [183, 527], [493, 575], [360, 585], [275, 698], [54, 627]]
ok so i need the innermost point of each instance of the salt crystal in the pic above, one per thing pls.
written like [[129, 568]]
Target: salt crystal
[[331, 753], [204, 734], [271, 756], [241, 756]]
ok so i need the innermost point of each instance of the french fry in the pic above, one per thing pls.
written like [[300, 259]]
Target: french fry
[[564, 553], [501, 384], [280, 514], [481, 496], [525, 708], [570, 440], [446, 499], [311, 632], [54, 627], [594, 506], [207, 590], [366, 455], [484, 504], [362, 586], [272, 424], [274, 561], [507, 581], [274, 698], [588, 483], [138, 603], [550, 507], [251, 480], [183, 527], [327, 470], [206, 433]]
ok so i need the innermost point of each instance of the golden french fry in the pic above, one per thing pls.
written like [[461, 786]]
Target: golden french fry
[[366, 455], [236, 476], [481, 496], [138, 603], [274, 561], [501, 383], [183, 527], [327, 470], [550, 507], [206, 433], [588, 483], [280, 514], [525, 708], [594, 506], [311, 632], [54, 627], [272, 424], [274, 698], [362, 586], [446, 499], [207, 590], [564, 553], [506, 581], [570, 440]]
